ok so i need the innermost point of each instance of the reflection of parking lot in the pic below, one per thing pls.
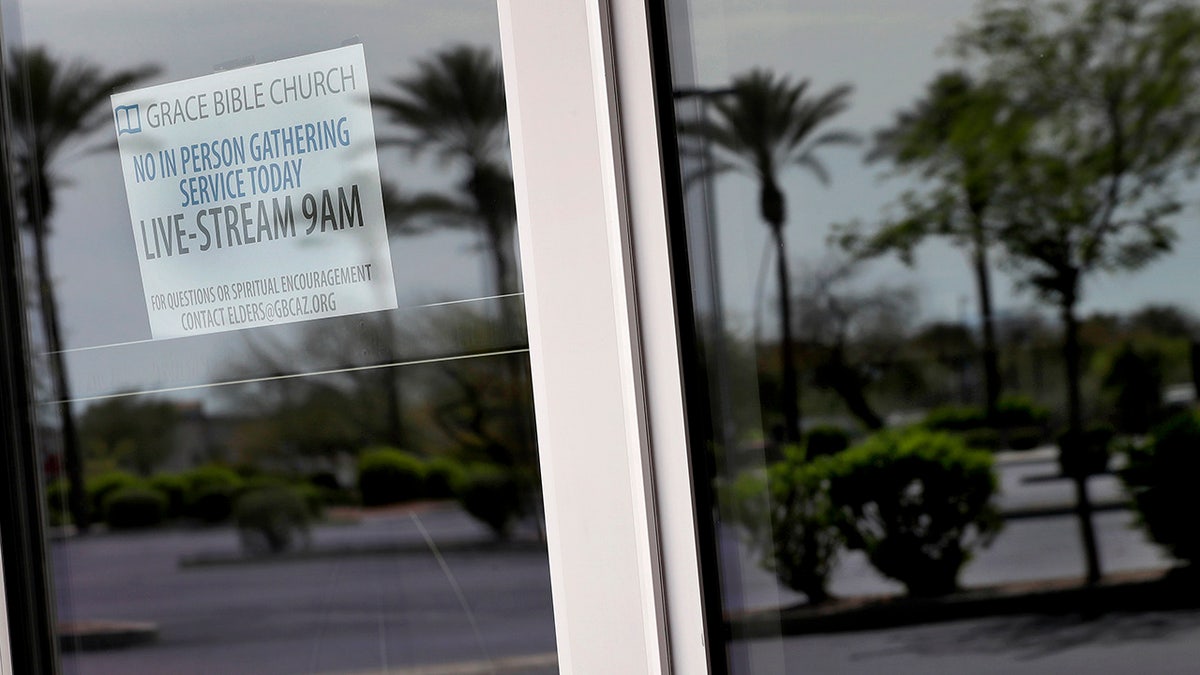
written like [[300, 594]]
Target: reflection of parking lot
[[336, 614], [1027, 481]]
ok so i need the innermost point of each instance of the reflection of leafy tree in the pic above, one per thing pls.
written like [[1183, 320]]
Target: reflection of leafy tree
[[134, 434], [1110, 90], [472, 401], [54, 105], [357, 403], [426, 385], [762, 126], [1163, 321], [453, 107], [856, 335], [951, 138]]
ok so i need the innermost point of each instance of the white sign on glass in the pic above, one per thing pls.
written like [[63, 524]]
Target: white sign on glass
[[255, 197]]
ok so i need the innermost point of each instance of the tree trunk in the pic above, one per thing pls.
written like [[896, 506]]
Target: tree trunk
[[72, 461], [846, 382], [389, 376], [790, 394], [1072, 441], [990, 356]]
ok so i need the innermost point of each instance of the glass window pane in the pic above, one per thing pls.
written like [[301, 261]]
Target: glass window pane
[[279, 343], [938, 257]]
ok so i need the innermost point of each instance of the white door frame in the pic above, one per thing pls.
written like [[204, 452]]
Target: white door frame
[[603, 335]]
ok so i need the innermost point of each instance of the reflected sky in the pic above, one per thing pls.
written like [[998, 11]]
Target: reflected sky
[[889, 52]]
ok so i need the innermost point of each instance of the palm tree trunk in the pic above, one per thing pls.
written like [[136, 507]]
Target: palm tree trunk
[[790, 394], [1074, 436], [72, 461]]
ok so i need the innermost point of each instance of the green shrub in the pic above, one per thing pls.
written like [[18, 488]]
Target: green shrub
[[58, 507], [955, 418], [175, 488], [99, 487], [313, 498], [917, 503], [134, 507], [388, 476], [983, 438], [262, 480], [1135, 379], [331, 492], [492, 495], [202, 478], [1161, 478], [791, 522], [211, 492], [825, 440], [1013, 412], [270, 519], [212, 505], [441, 475], [1020, 424]]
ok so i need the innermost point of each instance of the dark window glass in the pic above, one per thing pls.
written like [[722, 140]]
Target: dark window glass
[[940, 261]]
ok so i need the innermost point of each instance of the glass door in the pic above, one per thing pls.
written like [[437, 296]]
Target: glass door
[[944, 341], [276, 337]]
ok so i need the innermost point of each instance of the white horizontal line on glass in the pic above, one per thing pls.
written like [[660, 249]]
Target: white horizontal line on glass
[[425, 306], [274, 378]]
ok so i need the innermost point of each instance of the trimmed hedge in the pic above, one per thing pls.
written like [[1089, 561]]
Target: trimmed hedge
[[825, 440], [1161, 478], [917, 503], [57, 502], [211, 492], [270, 519], [791, 522], [1020, 424], [175, 488], [134, 507], [389, 476], [99, 487], [492, 495], [441, 475]]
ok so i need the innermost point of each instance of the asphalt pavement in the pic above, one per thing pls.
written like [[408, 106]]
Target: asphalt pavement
[[354, 614], [467, 606]]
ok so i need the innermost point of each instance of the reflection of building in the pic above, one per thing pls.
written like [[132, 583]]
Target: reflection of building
[[199, 438]]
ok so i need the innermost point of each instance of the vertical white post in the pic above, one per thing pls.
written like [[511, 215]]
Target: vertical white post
[[602, 332], [5, 644]]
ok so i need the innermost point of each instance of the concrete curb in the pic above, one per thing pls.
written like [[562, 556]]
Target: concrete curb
[[1137, 591], [216, 559], [86, 636], [528, 663]]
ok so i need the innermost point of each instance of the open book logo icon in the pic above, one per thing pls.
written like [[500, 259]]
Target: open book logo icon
[[129, 119]]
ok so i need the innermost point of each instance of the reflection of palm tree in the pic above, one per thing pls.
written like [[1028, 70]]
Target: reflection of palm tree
[[54, 105], [453, 106], [764, 125]]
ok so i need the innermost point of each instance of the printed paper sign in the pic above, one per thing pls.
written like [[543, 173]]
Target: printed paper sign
[[255, 197]]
